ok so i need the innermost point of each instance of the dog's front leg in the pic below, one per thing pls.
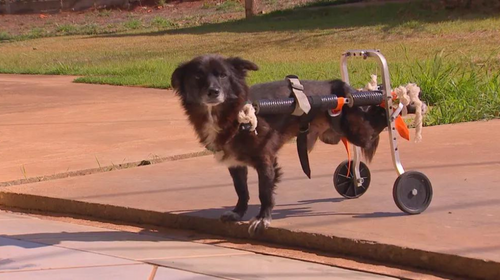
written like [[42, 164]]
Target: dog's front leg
[[267, 176], [239, 175]]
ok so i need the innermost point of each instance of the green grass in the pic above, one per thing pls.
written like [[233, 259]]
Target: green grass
[[225, 6], [104, 13], [454, 57], [36, 33], [67, 29], [5, 36], [133, 24], [270, 2], [207, 5], [457, 92], [60, 30], [161, 23], [229, 5]]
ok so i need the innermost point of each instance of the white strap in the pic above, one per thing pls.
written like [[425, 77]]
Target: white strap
[[303, 105]]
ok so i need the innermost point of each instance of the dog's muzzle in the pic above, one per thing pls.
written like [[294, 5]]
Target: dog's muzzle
[[214, 96]]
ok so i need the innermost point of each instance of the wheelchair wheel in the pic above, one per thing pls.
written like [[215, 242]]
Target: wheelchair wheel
[[344, 181]]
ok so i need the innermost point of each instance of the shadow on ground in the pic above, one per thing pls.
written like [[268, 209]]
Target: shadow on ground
[[281, 211]]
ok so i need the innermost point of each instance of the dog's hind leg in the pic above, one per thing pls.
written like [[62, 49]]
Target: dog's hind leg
[[239, 175], [269, 175]]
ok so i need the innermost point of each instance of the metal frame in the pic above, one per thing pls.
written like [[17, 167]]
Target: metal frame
[[391, 116]]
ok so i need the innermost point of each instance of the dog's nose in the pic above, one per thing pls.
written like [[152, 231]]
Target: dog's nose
[[213, 92]]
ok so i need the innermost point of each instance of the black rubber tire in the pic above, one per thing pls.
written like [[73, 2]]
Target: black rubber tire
[[345, 185], [405, 199]]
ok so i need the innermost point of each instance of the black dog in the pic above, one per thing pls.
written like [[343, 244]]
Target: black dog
[[213, 90]]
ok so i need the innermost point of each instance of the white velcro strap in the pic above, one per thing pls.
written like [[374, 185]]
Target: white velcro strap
[[303, 105]]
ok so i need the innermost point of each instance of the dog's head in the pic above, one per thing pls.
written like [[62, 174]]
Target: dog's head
[[211, 79]]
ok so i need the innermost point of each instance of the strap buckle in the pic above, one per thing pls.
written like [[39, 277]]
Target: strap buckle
[[303, 129]]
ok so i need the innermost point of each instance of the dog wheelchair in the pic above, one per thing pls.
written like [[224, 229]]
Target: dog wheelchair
[[412, 191]]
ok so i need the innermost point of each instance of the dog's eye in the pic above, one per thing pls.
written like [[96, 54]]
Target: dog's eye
[[222, 75], [198, 75]]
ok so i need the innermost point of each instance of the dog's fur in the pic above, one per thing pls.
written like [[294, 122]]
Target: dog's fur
[[213, 90]]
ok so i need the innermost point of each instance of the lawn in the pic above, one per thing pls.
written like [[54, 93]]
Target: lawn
[[454, 57]]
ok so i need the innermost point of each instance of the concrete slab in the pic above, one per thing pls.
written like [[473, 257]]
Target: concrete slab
[[134, 246], [36, 228], [250, 267], [51, 125], [138, 271], [127, 245], [24, 255], [118, 272], [462, 161], [164, 273], [108, 254]]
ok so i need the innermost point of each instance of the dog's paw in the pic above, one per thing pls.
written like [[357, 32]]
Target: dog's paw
[[257, 225], [230, 216]]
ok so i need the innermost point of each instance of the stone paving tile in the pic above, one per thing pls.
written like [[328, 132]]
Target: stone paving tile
[[116, 272], [23, 255], [90, 252], [34, 228], [256, 266], [138, 247], [164, 273], [103, 241]]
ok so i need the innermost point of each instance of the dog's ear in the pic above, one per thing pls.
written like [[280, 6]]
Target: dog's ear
[[178, 77], [242, 66]]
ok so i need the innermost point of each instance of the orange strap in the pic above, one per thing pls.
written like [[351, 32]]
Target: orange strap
[[340, 104], [402, 128], [347, 148], [394, 97]]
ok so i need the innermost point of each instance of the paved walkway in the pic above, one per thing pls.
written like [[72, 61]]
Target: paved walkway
[[464, 217], [37, 249], [462, 161], [50, 125]]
